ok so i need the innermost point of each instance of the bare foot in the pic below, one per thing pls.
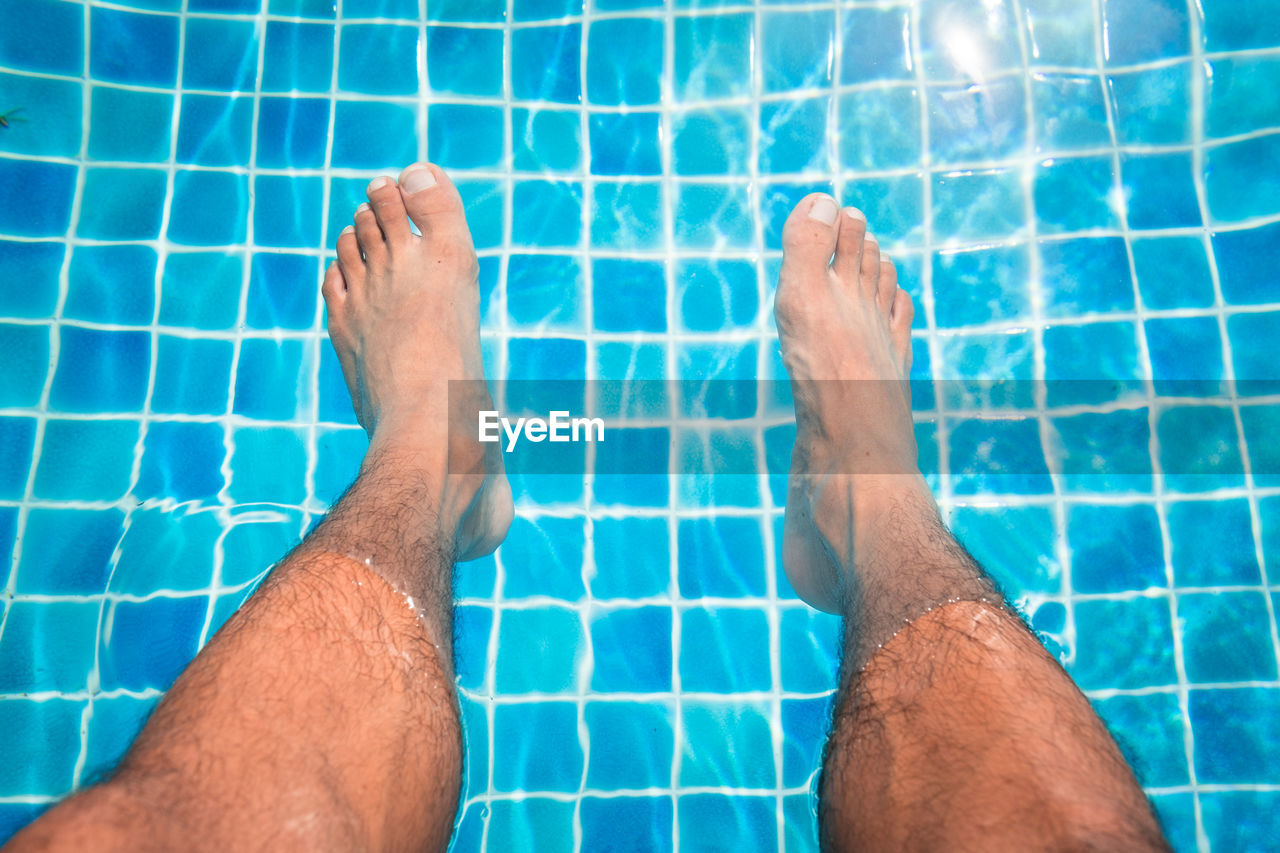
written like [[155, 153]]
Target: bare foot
[[404, 317], [845, 329]]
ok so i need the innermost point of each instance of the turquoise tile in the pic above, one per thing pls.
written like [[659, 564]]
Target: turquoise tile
[[17, 436], [1235, 735], [150, 642], [39, 266], [645, 821], [1150, 106], [711, 142], [724, 650], [1070, 112], [1227, 637], [710, 821], [50, 39], [1015, 545], [101, 371], [338, 455], [1073, 194], [1243, 262], [1173, 272], [372, 136], [545, 558], [627, 216], [1236, 820], [535, 51], [976, 122], [112, 284], [122, 204], [26, 355], [632, 558], [1186, 355], [551, 639], [787, 43], [215, 131], [298, 57], [716, 295], [624, 61], [630, 745], [720, 558], [811, 643], [712, 56], [283, 288], [255, 542], [1212, 543], [1242, 25], [115, 723], [286, 214], [1149, 729], [269, 466], [725, 744], [537, 10], [42, 755], [1161, 191], [872, 44], [535, 817], [547, 213], [1125, 644], [974, 206], [182, 461], [271, 380], [879, 129], [292, 132], [979, 286], [127, 47], [711, 216], [632, 648], [628, 296], [1004, 457], [626, 144], [793, 136], [1115, 548], [546, 140], [465, 136], [1250, 163], [52, 112], [1199, 448], [536, 748], [68, 551], [57, 184], [86, 460], [1140, 31], [48, 646], [1059, 35], [164, 549], [465, 60], [1239, 97], [201, 290], [1104, 451], [228, 58], [208, 208]]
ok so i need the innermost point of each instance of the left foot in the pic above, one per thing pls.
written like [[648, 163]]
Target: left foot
[[404, 318]]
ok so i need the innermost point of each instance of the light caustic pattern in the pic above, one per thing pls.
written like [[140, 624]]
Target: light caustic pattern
[[1071, 190]]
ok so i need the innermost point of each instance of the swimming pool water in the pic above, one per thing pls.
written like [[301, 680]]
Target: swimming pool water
[[1070, 190]]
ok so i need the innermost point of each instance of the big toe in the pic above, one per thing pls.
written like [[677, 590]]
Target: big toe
[[809, 235], [432, 202]]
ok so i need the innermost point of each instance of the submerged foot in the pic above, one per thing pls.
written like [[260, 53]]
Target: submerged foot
[[845, 329], [404, 318]]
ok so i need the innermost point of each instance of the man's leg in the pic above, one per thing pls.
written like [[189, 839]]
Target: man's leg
[[323, 714], [954, 728]]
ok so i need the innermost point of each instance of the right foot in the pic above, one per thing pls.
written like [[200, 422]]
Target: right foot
[[404, 318], [845, 330]]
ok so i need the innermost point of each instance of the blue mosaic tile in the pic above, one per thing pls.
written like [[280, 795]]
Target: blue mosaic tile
[[166, 550], [787, 43], [879, 129], [208, 208], [254, 543], [632, 649], [1242, 25], [805, 723], [285, 212], [57, 184], [873, 45], [1059, 35], [720, 557], [627, 216], [471, 632], [101, 371], [1236, 731], [535, 747], [1199, 448], [976, 206], [894, 204], [712, 58], [547, 213], [546, 140], [17, 436], [629, 296], [631, 746], [215, 131], [38, 266], [545, 63], [724, 650], [1094, 351], [25, 350], [977, 286], [466, 10], [810, 648], [1149, 729], [1087, 275], [1227, 637], [1123, 644], [404, 9], [724, 744], [60, 123], [715, 295], [298, 57], [551, 639], [1186, 355], [1212, 543], [545, 559], [1004, 457], [282, 288], [1115, 548], [150, 642], [334, 400], [214, 304], [112, 284], [182, 461], [1243, 265], [720, 821], [1104, 452], [338, 455], [270, 379], [977, 122], [122, 204], [624, 61], [1251, 163], [1235, 820], [268, 465], [793, 136], [292, 132], [1173, 272], [14, 816], [48, 646], [68, 551], [632, 558], [86, 460], [540, 10], [228, 58], [1072, 194], [1145, 31], [373, 135], [126, 47], [464, 136], [534, 817], [465, 61], [711, 142], [625, 144], [41, 759], [614, 823], [1239, 95], [50, 39], [378, 59], [1070, 112], [1150, 106], [1014, 544], [711, 216], [1260, 423], [1160, 190], [116, 721]]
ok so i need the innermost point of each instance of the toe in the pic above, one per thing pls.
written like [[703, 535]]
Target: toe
[[349, 260], [369, 236], [433, 203], [900, 317], [848, 260], [334, 288], [869, 270], [887, 287], [809, 235], [388, 210]]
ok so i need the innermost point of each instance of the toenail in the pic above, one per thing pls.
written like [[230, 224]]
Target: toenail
[[824, 210], [362, 207], [871, 238], [417, 179], [350, 229], [378, 183], [854, 213]]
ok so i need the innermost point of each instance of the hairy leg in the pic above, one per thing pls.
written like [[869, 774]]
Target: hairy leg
[[323, 714], [954, 728]]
